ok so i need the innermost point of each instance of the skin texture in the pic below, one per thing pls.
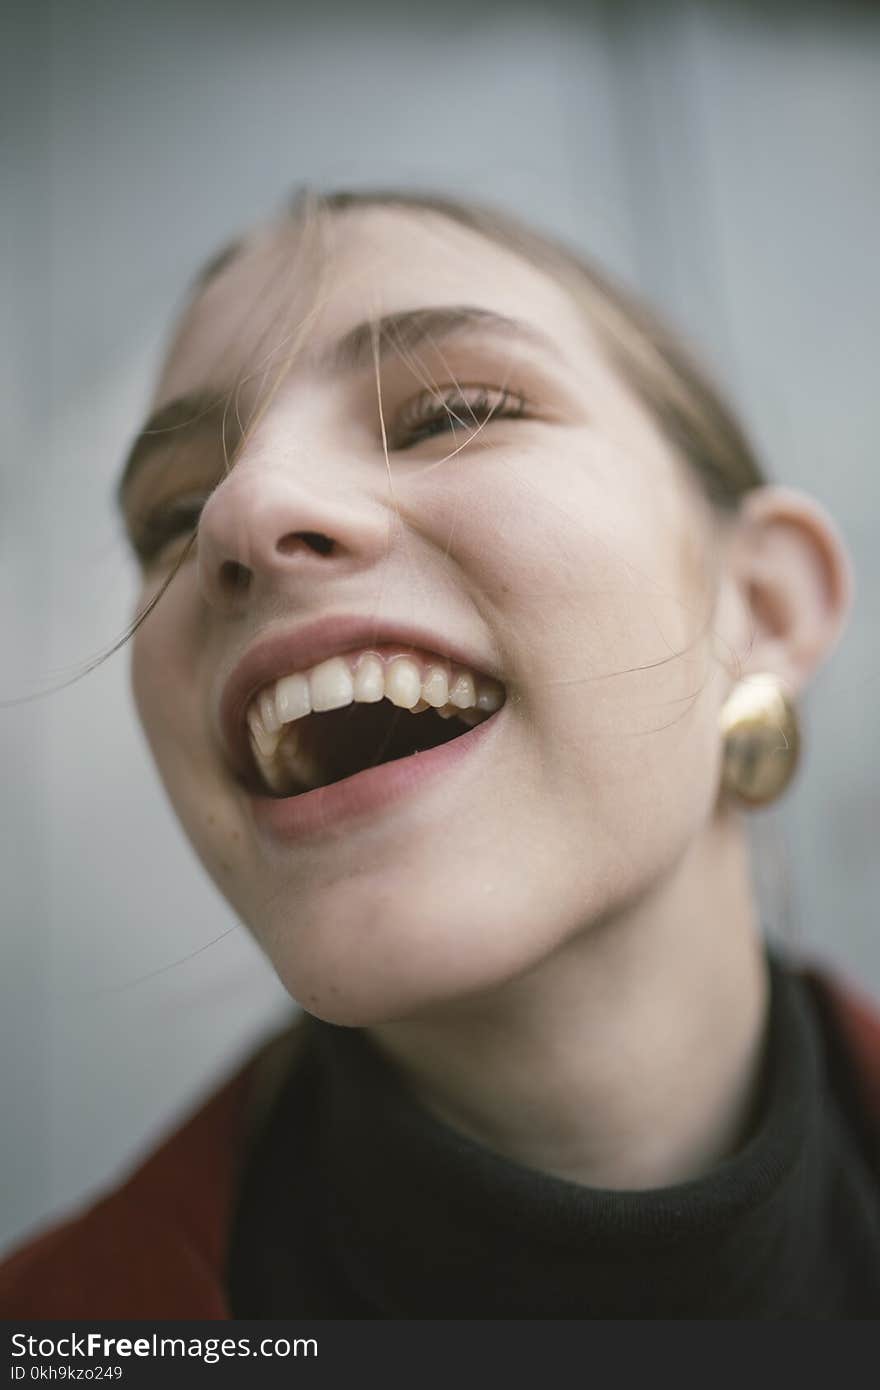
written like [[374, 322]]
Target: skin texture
[[558, 942]]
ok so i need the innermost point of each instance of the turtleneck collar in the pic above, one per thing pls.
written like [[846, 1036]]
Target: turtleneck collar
[[359, 1202], [428, 1223]]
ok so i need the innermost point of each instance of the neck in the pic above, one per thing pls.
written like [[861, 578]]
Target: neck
[[629, 1059]]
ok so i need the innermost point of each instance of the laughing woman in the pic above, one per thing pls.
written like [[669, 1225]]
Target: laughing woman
[[470, 633]]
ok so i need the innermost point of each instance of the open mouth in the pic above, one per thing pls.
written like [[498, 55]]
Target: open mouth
[[338, 744], [357, 712]]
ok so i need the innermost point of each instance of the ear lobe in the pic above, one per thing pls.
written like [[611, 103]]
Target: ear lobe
[[797, 582]]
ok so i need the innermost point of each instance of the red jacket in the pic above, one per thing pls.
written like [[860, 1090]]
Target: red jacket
[[155, 1246]]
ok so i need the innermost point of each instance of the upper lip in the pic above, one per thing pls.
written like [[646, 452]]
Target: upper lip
[[282, 651]]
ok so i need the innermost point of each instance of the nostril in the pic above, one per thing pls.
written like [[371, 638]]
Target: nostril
[[292, 542], [234, 576]]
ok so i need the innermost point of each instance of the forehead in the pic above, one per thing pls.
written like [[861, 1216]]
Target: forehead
[[292, 290]]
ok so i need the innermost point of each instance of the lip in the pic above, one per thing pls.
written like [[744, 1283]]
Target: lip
[[326, 810], [278, 653]]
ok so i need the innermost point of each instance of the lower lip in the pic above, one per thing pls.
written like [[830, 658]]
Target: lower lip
[[324, 810]]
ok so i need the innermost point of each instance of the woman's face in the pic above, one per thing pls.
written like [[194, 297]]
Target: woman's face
[[558, 547]]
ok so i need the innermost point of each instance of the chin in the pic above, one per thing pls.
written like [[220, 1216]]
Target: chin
[[363, 1003], [378, 968]]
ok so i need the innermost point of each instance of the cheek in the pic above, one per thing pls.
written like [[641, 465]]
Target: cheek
[[590, 564], [164, 682], [598, 572], [163, 674]]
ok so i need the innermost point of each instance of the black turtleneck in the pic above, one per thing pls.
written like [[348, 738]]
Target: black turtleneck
[[357, 1202]]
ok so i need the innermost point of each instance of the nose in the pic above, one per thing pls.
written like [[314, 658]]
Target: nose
[[264, 530]]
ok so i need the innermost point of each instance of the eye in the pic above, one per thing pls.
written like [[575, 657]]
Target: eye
[[464, 408], [152, 532]]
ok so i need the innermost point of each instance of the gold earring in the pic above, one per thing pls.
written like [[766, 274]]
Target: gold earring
[[762, 741]]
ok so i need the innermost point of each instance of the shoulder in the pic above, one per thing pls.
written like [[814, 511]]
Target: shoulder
[[155, 1244]]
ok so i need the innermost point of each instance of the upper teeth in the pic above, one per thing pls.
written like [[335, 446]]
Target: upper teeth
[[409, 682]]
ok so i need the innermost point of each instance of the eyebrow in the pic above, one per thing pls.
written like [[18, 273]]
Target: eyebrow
[[374, 339]]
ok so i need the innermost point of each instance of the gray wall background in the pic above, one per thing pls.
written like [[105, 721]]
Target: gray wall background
[[724, 158]]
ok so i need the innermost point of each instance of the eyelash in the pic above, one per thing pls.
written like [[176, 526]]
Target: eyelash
[[430, 414], [468, 407]]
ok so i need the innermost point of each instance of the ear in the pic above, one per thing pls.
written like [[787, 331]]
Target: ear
[[795, 581]]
